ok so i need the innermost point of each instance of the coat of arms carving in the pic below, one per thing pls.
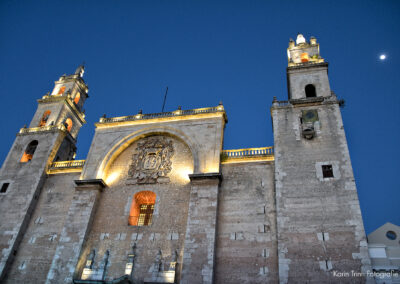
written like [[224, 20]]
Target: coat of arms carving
[[151, 162]]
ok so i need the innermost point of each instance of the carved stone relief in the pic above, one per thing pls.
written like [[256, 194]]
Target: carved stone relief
[[151, 162]]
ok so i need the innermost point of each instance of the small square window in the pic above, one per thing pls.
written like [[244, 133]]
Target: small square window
[[327, 171], [4, 187]]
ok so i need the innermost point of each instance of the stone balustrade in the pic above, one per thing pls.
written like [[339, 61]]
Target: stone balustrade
[[26, 130], [66, 166], [175, 113], [266, 153]]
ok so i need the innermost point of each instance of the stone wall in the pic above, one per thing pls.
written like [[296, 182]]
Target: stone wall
[[246, 235], [320, 228], [110, 230], [39, 243], [26, 180]]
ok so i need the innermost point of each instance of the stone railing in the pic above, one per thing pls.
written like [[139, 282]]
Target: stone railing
[[282, 103], [275, 102], [267, 153], [66, 166], [42, 129], [178, 112]]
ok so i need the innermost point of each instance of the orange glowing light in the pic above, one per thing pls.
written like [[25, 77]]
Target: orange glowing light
[[61, 91], [69, 123], [141, 198], [30, 150], [77, 98], [304, 57], [44, 119]]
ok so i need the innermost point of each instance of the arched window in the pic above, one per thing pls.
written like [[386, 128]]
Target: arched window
[[77, 98], [61, 91], [142, 208], [68, 124], [44, 119], [310, 91], [30, 150]]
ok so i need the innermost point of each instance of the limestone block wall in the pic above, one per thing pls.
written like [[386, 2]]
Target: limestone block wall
[[78, 221], [33, 259], [26, 181], [200, 240], [110, 229], [246, 250], [319, 223]]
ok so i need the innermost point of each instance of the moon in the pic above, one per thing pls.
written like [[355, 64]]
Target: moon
[[382, 57]]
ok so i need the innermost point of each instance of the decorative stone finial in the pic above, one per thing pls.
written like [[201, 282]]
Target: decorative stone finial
[[291, 43], [140, 111], [300, 39], [80, 70]]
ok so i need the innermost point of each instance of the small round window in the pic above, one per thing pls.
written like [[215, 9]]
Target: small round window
[[391, 235]]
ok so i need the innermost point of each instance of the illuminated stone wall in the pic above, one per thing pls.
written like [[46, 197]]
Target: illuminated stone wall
[[202, 134], [26, 180], [110, 230], [39, 243]]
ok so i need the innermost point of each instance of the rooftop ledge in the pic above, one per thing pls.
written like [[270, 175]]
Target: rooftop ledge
[[177, 114]]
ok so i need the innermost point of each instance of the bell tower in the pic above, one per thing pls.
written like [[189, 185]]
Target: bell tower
[[63, 107], [51, 136], [319, 223]]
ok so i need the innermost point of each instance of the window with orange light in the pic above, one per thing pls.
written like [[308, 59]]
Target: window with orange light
[[61, 91], [68, 124], [142, 208], [77, 98], [29, 152], [44, 119]]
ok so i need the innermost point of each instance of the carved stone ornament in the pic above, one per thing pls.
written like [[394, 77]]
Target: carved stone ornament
[[151, 161]]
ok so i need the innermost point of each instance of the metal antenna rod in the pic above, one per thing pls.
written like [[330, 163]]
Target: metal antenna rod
[[165, 98]]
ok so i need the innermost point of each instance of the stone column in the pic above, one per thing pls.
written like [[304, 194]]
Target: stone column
[[76, 228], [199, 251]]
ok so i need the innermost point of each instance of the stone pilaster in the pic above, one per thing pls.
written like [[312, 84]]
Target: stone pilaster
[[199, 251], [77, 226]]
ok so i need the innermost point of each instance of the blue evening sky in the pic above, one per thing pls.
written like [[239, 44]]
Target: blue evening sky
[[207, 51]]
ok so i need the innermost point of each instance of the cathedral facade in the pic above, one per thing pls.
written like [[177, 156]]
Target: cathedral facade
[[158, 199]]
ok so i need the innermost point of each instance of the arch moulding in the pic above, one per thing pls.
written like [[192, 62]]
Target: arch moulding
[[125, 142]]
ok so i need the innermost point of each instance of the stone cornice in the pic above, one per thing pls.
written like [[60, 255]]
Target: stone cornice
[[84, 184], [305, 102], [205, 176], [307, 65]]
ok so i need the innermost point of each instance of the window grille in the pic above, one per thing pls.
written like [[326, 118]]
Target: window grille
[[146, 214], [327, 171]]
